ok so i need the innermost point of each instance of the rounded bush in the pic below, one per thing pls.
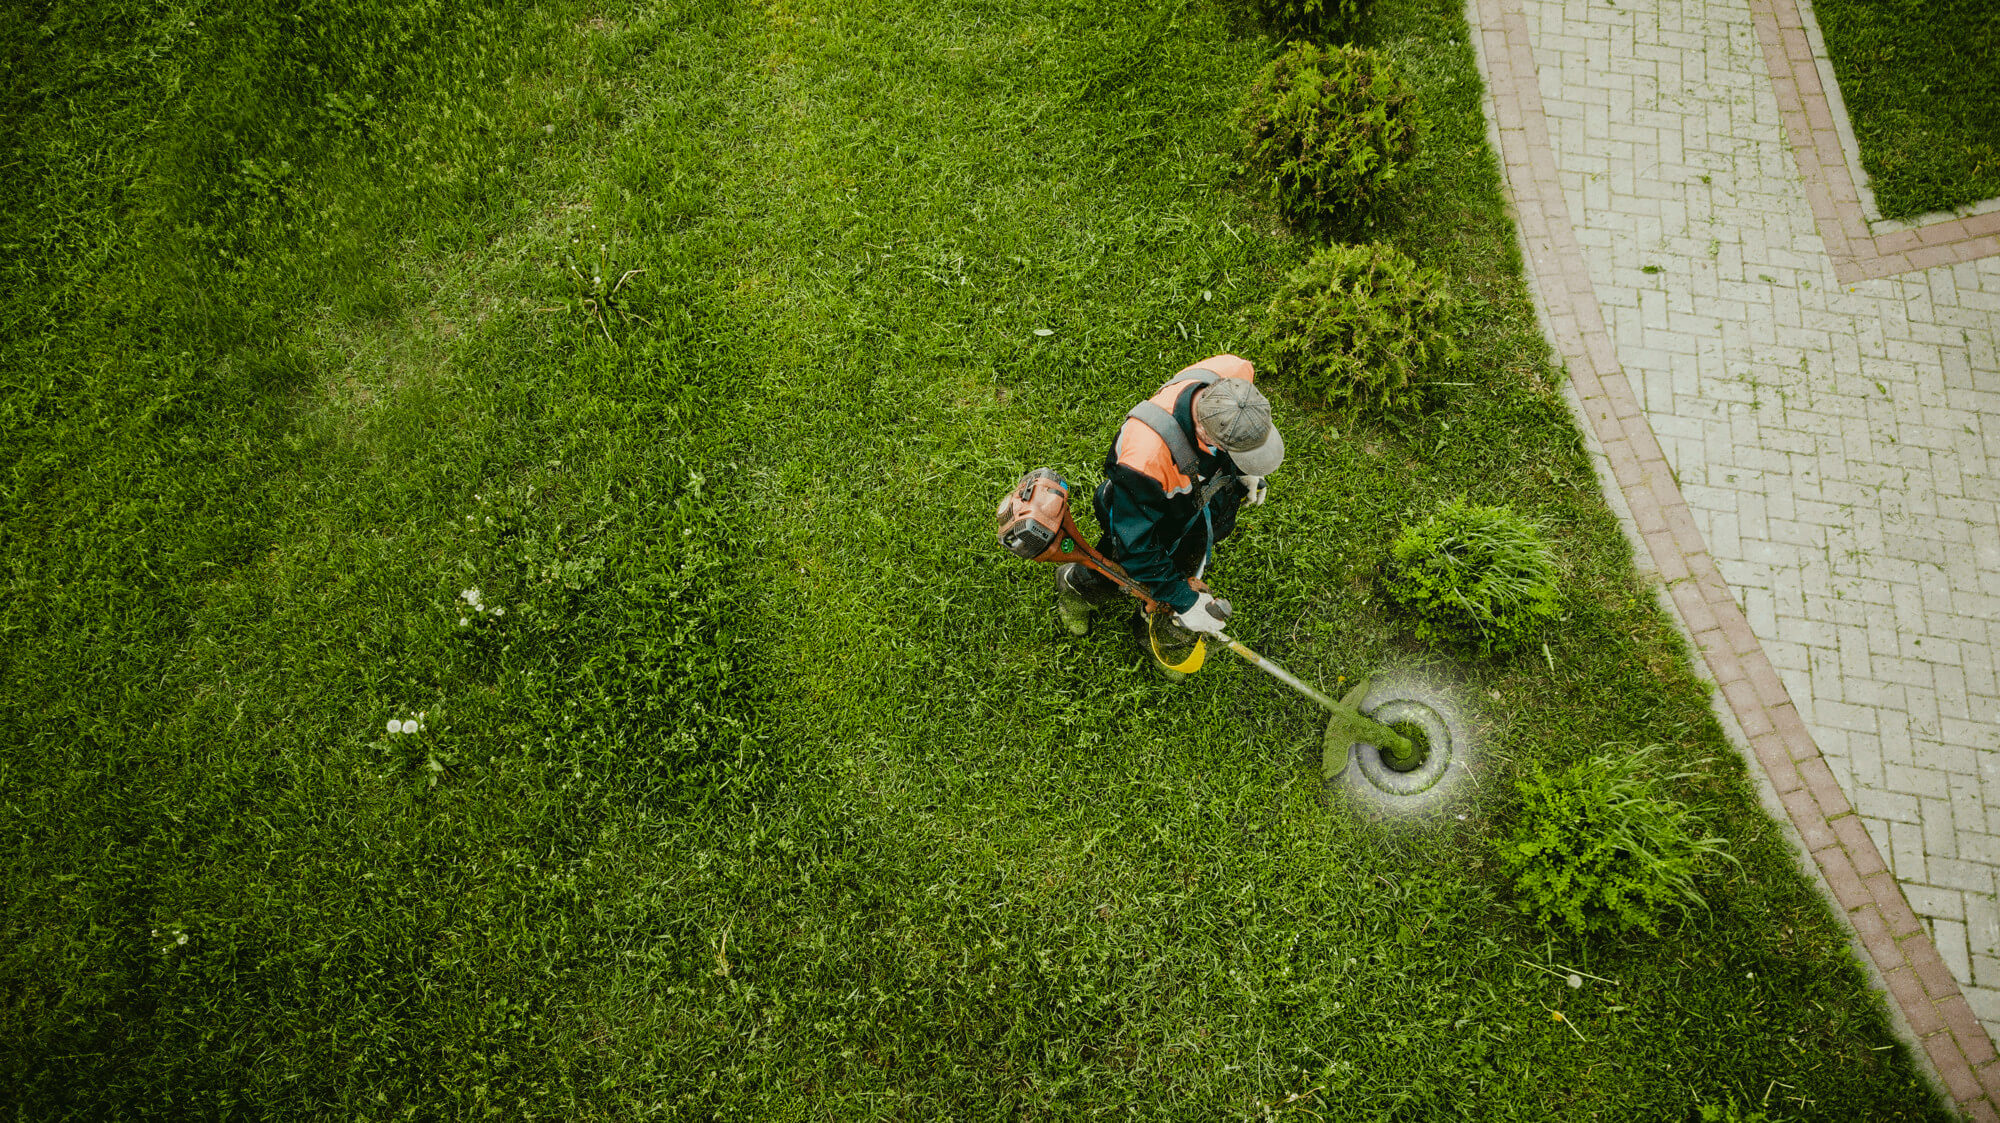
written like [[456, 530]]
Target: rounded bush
[[1330, 128], [1603, 846], [1359, 327], [1479, 578], [1317, 19]]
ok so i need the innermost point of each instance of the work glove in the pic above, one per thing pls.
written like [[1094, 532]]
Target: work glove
[[1258, 492], [1208, 615]]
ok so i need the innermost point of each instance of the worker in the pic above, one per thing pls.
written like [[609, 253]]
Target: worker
[[1183, 463]]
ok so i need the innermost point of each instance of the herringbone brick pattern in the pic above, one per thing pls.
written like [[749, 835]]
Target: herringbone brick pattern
[[1825, 421], [1838, 443]]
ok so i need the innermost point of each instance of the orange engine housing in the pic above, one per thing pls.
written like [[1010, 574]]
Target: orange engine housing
[[1033, 515]]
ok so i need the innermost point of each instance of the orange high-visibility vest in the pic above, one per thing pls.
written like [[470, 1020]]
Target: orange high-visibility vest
[[1141, 449]]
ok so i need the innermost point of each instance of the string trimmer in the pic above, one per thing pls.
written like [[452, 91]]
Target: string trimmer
[[1035, 524]]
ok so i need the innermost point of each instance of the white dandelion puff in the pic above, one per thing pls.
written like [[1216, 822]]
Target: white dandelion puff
[[395, 726]]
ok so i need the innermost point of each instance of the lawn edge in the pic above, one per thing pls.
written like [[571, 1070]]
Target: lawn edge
[[1850, 145], [1863, 244], [1829, 842]]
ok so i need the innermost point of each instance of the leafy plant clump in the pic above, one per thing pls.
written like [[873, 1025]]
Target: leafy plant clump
[[1603, 847], [1317, 19], [1330, 128], [1476, 577], [1360, 327]]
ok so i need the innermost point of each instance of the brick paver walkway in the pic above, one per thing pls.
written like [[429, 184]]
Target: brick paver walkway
[[1801, 411]]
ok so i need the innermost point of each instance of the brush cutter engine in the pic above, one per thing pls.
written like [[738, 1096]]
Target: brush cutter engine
[[1034, 517], [1035, 523]]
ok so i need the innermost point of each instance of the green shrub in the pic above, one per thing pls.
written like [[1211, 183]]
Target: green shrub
[[1476, 577], [1602, 846], [1358, 327], [1330, 128], [1322, 20]]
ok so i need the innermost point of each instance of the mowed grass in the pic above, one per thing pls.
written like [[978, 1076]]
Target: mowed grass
[[1922, 87], [777, 791]]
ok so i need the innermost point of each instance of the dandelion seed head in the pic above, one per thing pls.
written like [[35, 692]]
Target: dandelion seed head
[[395, 726]]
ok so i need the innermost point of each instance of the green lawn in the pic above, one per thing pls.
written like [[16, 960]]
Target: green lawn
[[776, 791], [1922, 86]]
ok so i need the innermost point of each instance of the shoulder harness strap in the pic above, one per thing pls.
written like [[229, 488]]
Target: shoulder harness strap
[[1162, 422]]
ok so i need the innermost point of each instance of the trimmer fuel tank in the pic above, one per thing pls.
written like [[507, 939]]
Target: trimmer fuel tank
[[1032, 513]]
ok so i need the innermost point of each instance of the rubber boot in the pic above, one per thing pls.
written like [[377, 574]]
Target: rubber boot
[[1175, 643], [1071, 605]]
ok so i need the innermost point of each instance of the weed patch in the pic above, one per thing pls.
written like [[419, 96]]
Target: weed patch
[[1480, 578], [1605, 847]]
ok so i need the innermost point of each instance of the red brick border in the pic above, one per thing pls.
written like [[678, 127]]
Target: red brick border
[[1858, 252], [1858, 879]]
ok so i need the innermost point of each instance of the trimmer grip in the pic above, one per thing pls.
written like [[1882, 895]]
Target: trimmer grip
[[1222, 610]]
